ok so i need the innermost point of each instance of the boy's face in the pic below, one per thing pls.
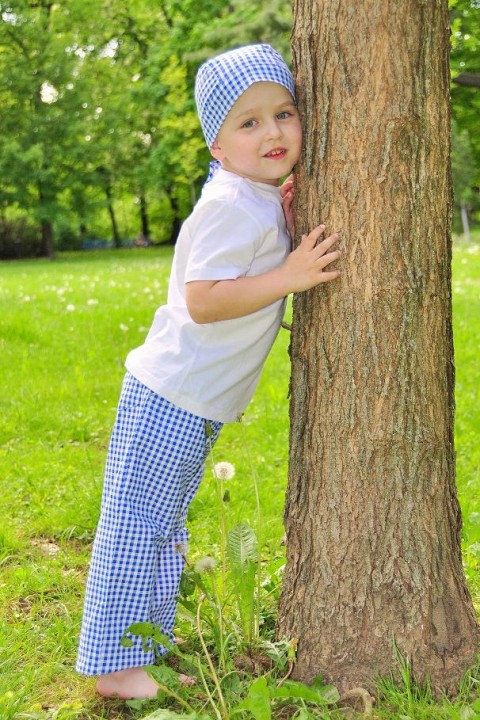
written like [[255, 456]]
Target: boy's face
[[261, 136]]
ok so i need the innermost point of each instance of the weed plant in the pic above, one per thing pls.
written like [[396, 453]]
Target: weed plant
[[65, 329]]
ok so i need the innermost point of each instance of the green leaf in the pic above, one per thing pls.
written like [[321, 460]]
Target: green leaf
[[302, 715], [162, 639], [258, 700], [243, 557], [137, 704], [163, 675], [187, 585], [143, 629], [162, 714], [330, 692], [242, 546], [291, 689]]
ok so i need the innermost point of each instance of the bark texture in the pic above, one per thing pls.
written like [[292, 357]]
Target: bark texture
[[372, 518]]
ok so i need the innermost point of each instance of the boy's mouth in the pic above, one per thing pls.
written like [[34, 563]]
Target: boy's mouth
[[276, 154]]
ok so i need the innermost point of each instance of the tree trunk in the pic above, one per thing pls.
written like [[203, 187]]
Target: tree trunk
[[47, 248], [144, 218], [176, 219], [111, 211], [465, 223], [372, 517]]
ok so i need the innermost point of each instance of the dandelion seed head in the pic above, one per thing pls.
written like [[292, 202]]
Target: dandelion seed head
[[70, 308], [205, 564], [224, 471], [181, 548]]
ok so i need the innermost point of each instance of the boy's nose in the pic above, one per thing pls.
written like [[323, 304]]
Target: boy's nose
[[274, 129]]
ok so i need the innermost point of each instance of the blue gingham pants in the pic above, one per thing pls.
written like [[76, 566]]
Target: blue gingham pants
[[155, 464]]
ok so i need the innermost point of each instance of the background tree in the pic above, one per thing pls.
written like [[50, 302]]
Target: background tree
[[100, 137], [372, 518], [465, 99], [36, 130]]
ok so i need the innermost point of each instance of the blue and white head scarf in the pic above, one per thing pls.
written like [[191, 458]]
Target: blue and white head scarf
[[221, 80]]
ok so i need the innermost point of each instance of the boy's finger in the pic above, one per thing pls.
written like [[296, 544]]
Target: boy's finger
[[311, 239], [287, 186], [330, 275], [327, 243], [329, 257]]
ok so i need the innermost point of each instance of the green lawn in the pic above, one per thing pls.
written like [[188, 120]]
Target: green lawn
[[65, 329]]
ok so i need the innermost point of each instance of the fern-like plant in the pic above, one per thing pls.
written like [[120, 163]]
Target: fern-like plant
[[242, 550]]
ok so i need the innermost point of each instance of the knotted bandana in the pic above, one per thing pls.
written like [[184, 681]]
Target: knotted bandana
[[221, 80]]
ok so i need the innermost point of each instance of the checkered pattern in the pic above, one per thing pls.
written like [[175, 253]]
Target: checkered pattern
[[221, 80], [155, 464]]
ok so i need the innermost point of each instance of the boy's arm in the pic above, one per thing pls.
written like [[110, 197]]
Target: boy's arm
[[210, 301]]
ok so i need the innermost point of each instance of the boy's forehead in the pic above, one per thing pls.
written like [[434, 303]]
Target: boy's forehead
[[261, 94]]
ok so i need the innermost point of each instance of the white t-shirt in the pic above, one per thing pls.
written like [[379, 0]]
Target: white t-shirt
[[236, 229]]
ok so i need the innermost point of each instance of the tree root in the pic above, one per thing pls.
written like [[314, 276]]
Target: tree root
[[352, 697]]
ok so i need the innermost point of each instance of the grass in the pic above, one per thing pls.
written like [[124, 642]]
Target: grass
[[65, 329]]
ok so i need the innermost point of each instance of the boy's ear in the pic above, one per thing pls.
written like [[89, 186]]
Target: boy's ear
[[216, 151]]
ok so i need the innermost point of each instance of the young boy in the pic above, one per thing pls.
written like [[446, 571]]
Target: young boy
[[201, 361]]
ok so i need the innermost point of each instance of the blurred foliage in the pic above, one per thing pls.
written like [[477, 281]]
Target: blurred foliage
[[465, 61], [99, 132]]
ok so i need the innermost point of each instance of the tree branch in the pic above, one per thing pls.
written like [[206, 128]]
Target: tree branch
[[467, 79]]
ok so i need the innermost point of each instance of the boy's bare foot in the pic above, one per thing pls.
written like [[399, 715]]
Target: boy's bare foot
[[129, 684]]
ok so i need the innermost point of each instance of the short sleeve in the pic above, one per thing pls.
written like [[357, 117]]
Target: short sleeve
[[224, 242]]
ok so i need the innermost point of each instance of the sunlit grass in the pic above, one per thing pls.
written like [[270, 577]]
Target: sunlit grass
[[65, 329]]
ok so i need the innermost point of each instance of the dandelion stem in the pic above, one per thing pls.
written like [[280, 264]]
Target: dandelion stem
[[259, 529], [174, 695], [209, 694], [223, 523], [224, 714], [221, 628]]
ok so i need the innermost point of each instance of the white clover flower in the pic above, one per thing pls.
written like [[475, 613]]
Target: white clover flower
[[205, 564], [123, 327], [92, 301], [70, 308], [224, 471]]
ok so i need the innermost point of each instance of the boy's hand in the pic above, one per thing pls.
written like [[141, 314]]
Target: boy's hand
[[213, 300], [306, 264], [287, 193]]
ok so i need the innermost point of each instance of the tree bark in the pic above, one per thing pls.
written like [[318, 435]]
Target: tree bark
[[111, 211], [465, 223], [176, 219], [47, 248], [144, 217], [372, 518]]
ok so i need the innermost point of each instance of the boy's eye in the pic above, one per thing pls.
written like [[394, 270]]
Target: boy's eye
[[283, 115], [248, 124]]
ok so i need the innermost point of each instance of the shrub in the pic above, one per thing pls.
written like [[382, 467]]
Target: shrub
[[19, 238]]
